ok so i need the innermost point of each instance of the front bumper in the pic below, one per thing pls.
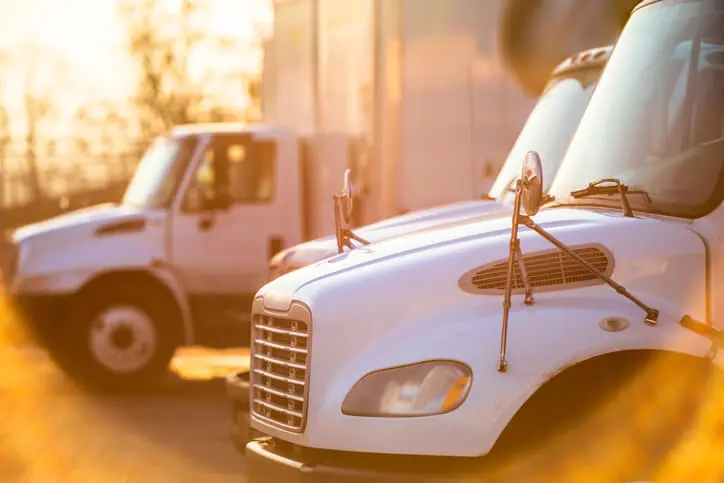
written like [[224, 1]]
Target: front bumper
[[237, 393], [272, 461], [42, 315]]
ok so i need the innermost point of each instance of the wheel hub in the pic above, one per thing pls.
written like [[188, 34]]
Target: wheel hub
[[123, 339]]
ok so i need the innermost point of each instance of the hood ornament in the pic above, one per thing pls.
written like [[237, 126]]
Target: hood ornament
[[529, 196], [343, 204]]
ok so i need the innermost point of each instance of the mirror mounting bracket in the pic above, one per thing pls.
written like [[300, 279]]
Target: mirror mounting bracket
[[528, 192], [342, 217]]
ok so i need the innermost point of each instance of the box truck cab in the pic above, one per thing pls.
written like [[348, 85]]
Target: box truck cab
[[112, 290], [418, 359], [548, 129]]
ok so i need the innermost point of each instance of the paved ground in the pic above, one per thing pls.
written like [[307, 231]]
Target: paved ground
[[50, 431]]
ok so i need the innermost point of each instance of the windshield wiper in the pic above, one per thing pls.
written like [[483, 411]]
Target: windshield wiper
[[614, 186]]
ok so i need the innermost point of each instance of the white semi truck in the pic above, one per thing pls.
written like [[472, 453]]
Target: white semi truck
[[421, 358], [562, 104]]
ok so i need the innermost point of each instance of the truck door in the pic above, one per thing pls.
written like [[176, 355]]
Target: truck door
[[220, 242]]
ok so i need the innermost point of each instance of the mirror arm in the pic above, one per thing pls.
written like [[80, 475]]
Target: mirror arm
[[652, 315], [351, 236], [338, 228], [512, 254], [343, 233]]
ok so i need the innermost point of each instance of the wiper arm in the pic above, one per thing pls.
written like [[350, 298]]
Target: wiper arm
[[601, 187]]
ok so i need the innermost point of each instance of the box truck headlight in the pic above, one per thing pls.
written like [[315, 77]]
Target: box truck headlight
[[423, 389], [279, 265]]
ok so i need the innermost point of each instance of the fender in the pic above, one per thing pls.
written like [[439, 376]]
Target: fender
[[73, 281], [544, 340]]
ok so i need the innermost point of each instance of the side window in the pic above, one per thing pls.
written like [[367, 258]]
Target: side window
[[238, 168], [251, 171], [202, 189]]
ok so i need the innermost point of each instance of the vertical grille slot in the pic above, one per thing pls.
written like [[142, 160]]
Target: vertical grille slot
[[547, 271], [279, 371]]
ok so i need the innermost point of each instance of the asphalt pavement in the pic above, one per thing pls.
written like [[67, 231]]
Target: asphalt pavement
[[52, 431]]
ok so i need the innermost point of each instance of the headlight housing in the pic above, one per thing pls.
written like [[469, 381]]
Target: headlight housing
[[278, 265], [422, 389]]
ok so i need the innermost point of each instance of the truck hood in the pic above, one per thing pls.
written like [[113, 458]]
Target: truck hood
[[81, 220], [458, 249], [444, 216]]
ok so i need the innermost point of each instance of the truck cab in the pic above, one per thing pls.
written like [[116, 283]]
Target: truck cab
[[112, 290], [561, 105], [424, 359]]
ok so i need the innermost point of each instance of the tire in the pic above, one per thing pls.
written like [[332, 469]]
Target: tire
[[614, 419], [120, 336]]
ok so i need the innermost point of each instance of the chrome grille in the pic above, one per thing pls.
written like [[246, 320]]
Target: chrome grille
[[547, 270], [279, 371]]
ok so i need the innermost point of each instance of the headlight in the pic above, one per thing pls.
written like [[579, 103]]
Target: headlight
[[278, 264], [423, 389]]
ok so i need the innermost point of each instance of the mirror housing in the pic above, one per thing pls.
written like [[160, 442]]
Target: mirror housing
[[531, 183]]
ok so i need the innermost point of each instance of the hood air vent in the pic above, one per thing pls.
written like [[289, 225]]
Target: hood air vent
[[548, 270]]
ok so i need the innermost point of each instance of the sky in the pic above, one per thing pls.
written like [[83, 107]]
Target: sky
[[87, 37]]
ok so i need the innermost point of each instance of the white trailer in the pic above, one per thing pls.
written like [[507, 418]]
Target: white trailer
[[410, 360], [421, 92]]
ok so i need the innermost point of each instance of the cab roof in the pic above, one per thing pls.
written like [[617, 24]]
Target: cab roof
[[596, 57], [227, 127]]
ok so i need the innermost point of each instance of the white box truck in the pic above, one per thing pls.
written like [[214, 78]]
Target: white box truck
[[396, 363], [112, 290]]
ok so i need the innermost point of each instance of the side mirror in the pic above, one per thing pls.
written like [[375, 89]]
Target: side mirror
[[531, 184]]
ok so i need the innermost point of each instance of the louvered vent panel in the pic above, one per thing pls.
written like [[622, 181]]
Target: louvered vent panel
[[549, 270]]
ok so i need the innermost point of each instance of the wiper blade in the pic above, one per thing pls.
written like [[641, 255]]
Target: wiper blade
[[610, 186]]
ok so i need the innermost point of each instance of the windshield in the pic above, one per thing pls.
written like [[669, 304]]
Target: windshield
[[549, 128], [159, 173], [656, 121]]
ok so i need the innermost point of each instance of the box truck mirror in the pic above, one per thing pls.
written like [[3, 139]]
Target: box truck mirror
[[342, 215]]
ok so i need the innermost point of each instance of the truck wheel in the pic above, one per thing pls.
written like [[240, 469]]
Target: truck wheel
[[119, 338], [615, 419]]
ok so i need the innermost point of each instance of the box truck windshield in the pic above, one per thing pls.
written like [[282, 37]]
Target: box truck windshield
[[550, 126], [160, 172]]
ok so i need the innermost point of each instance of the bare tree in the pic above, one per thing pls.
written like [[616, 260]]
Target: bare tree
[[174, 53], [5, 140], [44, 83]]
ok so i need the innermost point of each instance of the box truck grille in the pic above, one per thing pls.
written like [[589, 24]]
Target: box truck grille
[[279, 371], [548, 270]]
